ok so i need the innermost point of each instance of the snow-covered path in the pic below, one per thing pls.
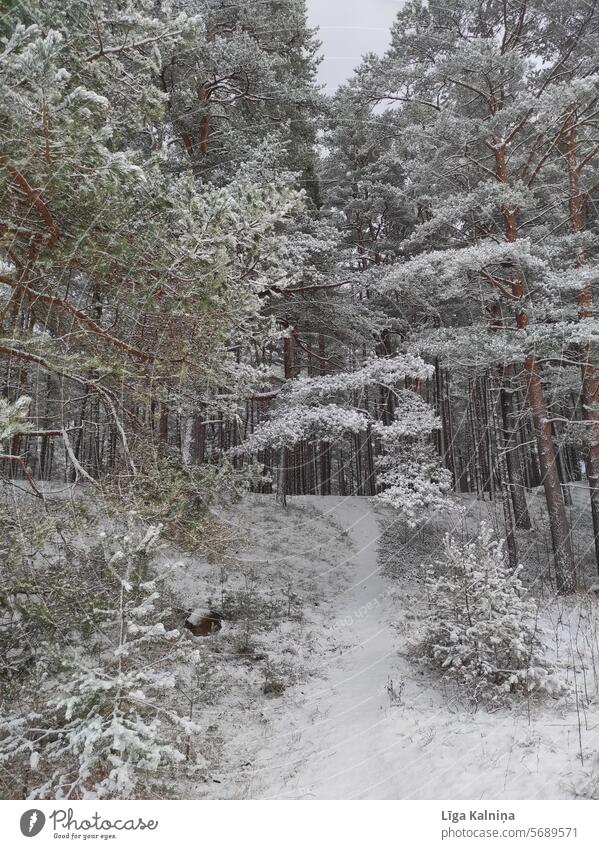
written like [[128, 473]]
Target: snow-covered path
[[348, 732], [344, 729]]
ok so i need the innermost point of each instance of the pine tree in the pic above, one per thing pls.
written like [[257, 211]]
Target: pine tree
[[330, 407], [111, 251], [477, 143]]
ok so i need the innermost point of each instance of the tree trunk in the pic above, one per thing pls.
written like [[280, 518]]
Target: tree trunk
[[285, 453], [504, 481], [325, 468], [565, 577], [515, 477], [282, 478]]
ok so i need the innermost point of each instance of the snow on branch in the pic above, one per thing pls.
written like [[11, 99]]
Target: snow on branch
[[300, 422], [447, 273], [387, 372]]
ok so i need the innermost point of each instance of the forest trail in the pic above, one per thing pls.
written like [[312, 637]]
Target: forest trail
[[343, 729], [347, 734]]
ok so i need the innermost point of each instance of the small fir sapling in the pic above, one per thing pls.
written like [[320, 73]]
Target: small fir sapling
[[482, 628]]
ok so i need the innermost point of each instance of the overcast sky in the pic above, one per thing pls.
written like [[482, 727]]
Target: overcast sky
[[348, 29]]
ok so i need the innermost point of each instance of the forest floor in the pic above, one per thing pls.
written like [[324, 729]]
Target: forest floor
[[312, 693]]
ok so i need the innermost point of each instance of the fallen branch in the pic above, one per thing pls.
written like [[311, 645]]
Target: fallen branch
[[79, 470], [103, 393]]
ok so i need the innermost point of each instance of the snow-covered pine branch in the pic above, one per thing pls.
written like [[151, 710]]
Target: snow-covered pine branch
[[410, 475]]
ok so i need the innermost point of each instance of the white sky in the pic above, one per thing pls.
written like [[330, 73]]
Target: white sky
[[348, 29]]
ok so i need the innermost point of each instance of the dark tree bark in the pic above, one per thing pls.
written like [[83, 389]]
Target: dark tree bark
[[515, 478]]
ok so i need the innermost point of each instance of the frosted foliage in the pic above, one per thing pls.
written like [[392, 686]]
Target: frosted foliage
[[304, 413], [13, 417], [447, 274], [387, 372], [414, 483], [482, 628], [109, 723], [301, 422], [413, 418], [411, 477]]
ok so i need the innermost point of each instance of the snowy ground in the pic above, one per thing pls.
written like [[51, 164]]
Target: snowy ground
[[311, 694]]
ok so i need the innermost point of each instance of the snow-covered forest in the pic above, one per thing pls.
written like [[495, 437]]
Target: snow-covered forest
[[299, 403]]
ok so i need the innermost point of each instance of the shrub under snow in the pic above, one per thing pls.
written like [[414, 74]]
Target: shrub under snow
[[587, 787], [482, 628]]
